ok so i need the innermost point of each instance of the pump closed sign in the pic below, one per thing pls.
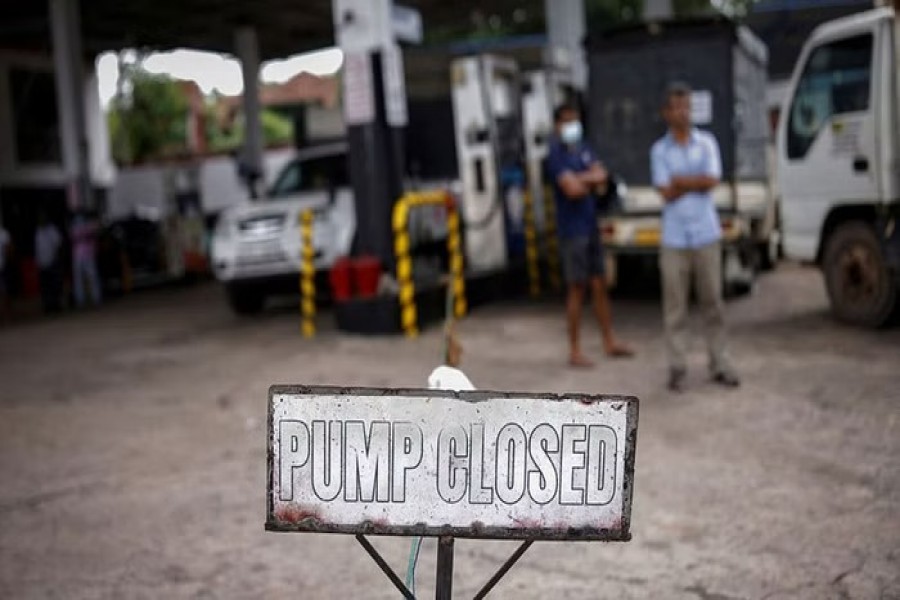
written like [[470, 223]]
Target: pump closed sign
[[468, 464]]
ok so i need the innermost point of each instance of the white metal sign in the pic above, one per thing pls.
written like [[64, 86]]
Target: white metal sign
[[362, 25], [462, 464], [359, 93], [394, 86], [406, 24], [701, 107]]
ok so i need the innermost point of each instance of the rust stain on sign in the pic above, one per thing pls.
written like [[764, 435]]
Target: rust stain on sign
[[463, 464]]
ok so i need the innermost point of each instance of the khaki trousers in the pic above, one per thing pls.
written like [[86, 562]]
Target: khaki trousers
[[678, 268]]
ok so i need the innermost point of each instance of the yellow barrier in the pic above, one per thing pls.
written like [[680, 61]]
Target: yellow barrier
[[551, 241], [307, 275], [409, 319], [531, 247]]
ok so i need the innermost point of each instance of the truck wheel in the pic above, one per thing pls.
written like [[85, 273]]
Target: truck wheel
[[244, 301], [770, 251], [738, 271], [861, 287]]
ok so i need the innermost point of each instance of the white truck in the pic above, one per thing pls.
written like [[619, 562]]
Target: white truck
[[725, 64], [256, 246], [839, 164]]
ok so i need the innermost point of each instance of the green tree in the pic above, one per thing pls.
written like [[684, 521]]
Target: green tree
[[277, 130], [606, 14], [732, 8], [150, 119]]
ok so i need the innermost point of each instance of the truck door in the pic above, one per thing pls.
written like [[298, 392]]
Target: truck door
[[827, 139]]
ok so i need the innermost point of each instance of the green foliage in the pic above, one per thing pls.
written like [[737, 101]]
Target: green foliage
[[222, 137], [606, 14], [151, 121], [277, 129]]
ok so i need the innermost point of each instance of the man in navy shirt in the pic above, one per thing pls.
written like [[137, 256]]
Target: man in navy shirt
[[577, 177]]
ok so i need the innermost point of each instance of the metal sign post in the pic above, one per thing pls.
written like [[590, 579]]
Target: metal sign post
[[484, 465], [444, 575]]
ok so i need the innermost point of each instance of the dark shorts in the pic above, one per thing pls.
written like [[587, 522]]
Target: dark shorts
[[582, 258]]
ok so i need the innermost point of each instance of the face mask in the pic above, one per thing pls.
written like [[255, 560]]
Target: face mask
[[571, 132]]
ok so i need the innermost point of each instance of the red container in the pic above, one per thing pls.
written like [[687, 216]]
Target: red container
[[366, 274], [31, 285], [340, 278]]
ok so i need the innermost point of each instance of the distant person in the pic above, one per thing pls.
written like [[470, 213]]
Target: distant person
[[578, 178], [686, 166], [83, 232], [47, 245], [5, 255]]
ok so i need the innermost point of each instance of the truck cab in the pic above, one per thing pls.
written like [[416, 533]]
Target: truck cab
[[839, 164]]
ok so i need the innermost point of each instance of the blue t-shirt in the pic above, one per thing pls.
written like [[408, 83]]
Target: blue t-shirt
[[574, 217], [691, 221]]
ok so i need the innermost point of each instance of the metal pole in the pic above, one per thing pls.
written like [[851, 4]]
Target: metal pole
[[385, 568], [65, 29], [504, 569], [444, 580], [247, 47]]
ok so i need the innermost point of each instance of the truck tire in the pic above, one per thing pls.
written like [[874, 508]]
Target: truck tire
[[861, 287], [770, 251], [739, 269], [245, 301]]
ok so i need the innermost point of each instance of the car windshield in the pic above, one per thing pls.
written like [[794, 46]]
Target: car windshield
[[313, 174]]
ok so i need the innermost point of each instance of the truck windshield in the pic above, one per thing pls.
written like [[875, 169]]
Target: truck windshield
[[836, 80], [315, 174]]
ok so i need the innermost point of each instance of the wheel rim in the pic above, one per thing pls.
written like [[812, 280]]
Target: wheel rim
[[860, 276]]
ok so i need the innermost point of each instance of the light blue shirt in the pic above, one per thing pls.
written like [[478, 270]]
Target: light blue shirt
[[691, 221]]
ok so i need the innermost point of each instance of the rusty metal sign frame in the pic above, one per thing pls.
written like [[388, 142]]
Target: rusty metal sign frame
[[310, 522], [446, 535]]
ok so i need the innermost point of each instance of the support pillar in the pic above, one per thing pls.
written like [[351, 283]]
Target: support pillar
[[374, 110], [658, 10], [251, 157], [68, 68], [565, 34]]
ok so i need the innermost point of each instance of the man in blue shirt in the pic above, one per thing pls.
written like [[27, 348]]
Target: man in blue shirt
[[686, 165], [577, 176]]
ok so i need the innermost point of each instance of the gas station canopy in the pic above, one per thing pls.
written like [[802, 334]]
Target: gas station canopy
[[285, 27]]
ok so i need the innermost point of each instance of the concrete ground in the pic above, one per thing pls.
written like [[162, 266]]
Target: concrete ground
[[132, 454]]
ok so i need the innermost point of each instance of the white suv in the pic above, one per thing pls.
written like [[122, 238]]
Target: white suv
[[256, 247]]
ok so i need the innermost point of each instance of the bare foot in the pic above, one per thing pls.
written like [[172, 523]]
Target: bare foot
[[617, 350], [580, 361]]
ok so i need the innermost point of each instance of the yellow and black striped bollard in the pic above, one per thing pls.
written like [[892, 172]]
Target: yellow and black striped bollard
[[531, 248], [307, 275], [551, 241], [407, 291], [457, 266]]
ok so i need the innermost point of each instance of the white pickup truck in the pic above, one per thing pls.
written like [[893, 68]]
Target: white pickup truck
[[256, 246], [839, 164]]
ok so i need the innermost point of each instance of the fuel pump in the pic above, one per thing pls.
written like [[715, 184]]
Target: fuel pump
[[542, 92], [489, 145]]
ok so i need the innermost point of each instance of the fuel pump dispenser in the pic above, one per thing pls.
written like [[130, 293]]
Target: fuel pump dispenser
[[542, 92], [489, 144]]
